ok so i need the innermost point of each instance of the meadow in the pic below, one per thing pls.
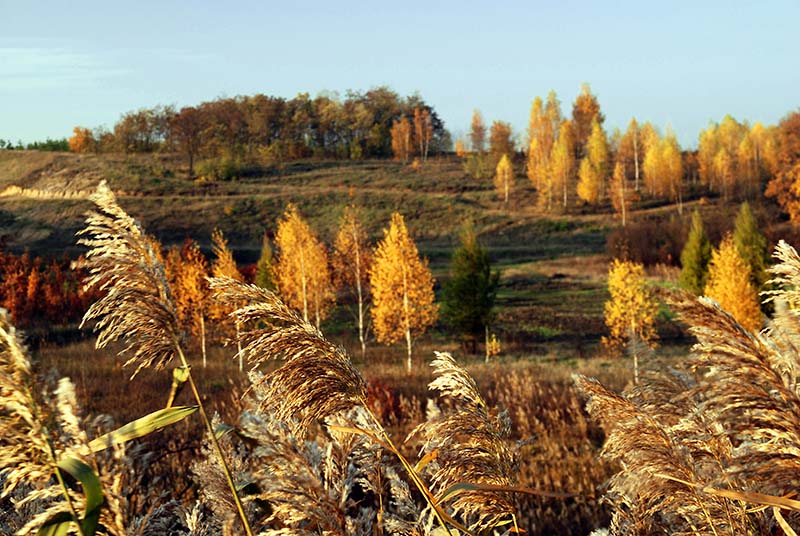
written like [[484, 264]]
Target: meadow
[[550, 309]]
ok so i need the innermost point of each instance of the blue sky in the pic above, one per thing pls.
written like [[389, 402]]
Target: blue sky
[[674, 63]]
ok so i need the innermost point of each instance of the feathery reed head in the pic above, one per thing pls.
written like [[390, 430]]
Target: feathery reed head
[[126, 263], [317, 378], [470, 448]]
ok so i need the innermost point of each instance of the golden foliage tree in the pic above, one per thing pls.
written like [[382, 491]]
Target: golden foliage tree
[[501, 141], [423, 131], [461, 150], [541, 135], [785, 186], [401, 139], [585, 111], [562, 167], [402, 288], [729, 283], [630, 152], [504, 178], [621, 195], [351, 262], [663, 169], [82, 140], [631, 310], [187, 270], [302, 271], [224, 265], [477, 133], [593, 171]]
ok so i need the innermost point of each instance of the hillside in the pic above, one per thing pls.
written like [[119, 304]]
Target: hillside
[[434, 201], [553, 266]]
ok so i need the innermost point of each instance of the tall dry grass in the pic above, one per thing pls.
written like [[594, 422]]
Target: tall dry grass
[[308, 454], [714, 447]]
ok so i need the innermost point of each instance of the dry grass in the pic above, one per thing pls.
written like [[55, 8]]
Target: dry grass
[[705, 448]]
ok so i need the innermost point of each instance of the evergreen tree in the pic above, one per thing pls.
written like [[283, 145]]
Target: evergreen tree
[[751, 245], [468, 296], [695, 256]]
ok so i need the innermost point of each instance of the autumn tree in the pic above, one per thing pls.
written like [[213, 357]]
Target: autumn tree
[[477, 134], [468, 297], [562, 167], [186, 131], [630, 312], [224, 265], [663, 169], [751, 245], [82, 140], [695, 257], [630, 152], [302, 271], [785, 186], [500, 140], [423, 131], [461, 150], [265, 266], [504, 178], [187, 270], [541, 136], [401, 139], [585, 111], [729, 283], [351, 264], [594, 168], [621, 195], [402, 288]]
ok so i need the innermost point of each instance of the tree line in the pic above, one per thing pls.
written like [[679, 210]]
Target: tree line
[[269, 128], [388, 285], [573, 161]]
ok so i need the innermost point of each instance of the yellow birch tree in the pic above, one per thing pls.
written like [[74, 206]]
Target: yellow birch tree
[[562, 166], [593, 171], [540, 136], [729, 283], [224, 265], [351, 262], [401, 139], [187, 269], [302, 273], [504, 178], [402, 288], [631, 310]]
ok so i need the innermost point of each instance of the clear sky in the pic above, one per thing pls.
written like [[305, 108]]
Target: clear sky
[[681, 63]]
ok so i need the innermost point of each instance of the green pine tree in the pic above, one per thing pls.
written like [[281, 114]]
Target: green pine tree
[[265, 274], [695, 256], [751, 245], [468, 296]]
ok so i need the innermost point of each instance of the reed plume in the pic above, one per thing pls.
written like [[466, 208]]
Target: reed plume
[[125, 264], [727, 431], [470, 448], [315, 381], [137, 306]]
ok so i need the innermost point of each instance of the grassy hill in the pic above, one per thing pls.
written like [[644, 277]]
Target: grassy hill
[[553, 265]]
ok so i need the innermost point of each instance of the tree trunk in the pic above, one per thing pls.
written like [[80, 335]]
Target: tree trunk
[[486, 329], [407, 319], [636, 162], [203, 338], [360, 294], [304, 284]]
